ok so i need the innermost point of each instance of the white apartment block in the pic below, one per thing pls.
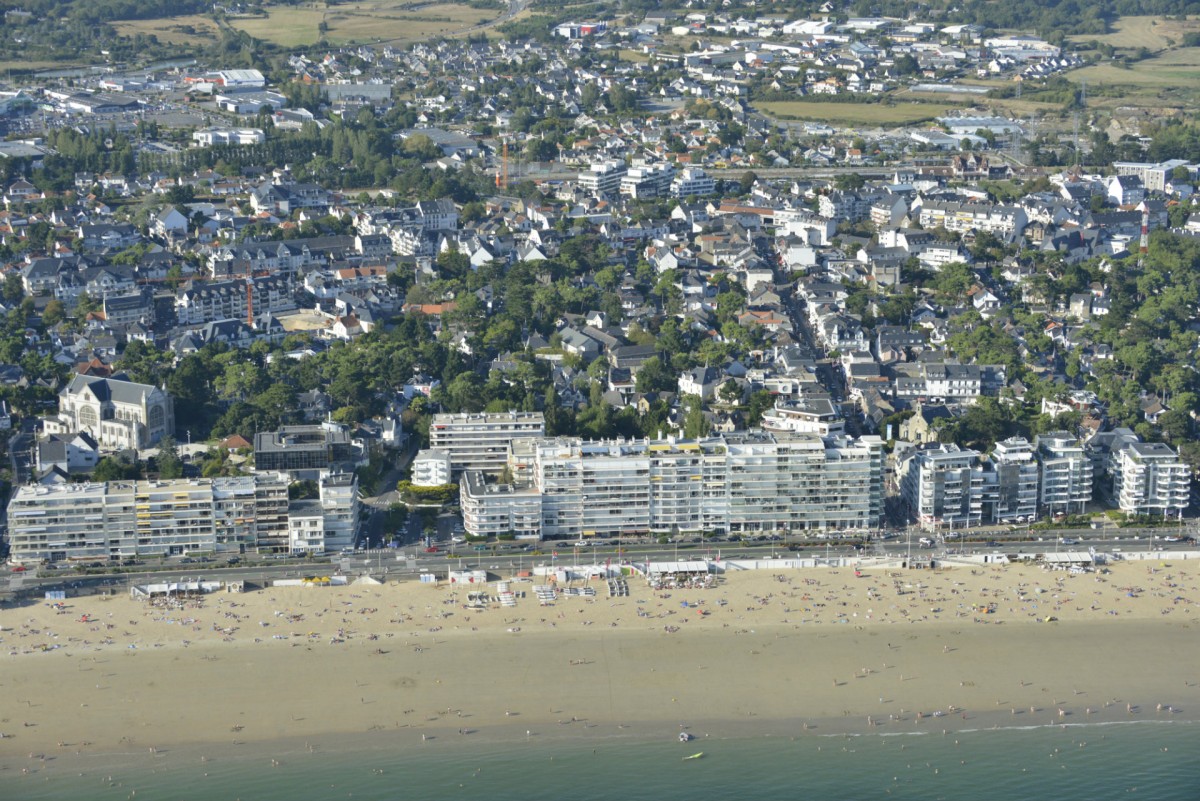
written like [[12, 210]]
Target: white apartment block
[[652, 180], [813, 229], [1154, 176], [604, 177], [1149, 478], [747, 481], [481, 441], [431, 468], [229, 136], [943, 486], [338, 496], [233, 300], [1066, 480], [1010, 491], [804, 415], [693, 182], [955, 216], [492, 510], [120, 519]]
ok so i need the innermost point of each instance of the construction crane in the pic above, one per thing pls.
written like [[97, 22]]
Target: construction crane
[[502, 174]]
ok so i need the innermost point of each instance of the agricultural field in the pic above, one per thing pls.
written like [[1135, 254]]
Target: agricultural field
[[188, 31], [1152, 33], [1153, 73], [368, 21], [855, 113]]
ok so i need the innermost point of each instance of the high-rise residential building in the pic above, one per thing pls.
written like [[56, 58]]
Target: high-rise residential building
[[481, 441], [942, 485], [1150, 478], [749, 481], [1066, 473], [122, 519], [602, 177], [1010, 488], [494, 510]]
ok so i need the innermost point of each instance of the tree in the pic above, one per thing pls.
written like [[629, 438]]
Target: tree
[[695, 423], [13, 290], [112, 469], [759, 403], [730, 392], [54, 313], [746, 183], [169, 463], [653, 376]]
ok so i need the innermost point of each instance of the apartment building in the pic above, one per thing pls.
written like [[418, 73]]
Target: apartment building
[[806, 415], [942, 485], [604, 177], [747, 481], [492, 510], [1149, 478], [241, 299], [431, 468], [652, 180], [481, 441], [1066, 473], [1010, 488], [122, 519], [693, 182], [956, 216]]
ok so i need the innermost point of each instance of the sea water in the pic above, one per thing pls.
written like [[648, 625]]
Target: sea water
[[1140, 760]]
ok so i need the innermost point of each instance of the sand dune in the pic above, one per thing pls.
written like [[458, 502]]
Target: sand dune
[[818, 648]]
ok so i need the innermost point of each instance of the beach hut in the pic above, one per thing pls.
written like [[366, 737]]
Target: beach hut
[[468, 577]]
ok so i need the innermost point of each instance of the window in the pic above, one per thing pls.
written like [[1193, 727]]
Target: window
[[156, 417], [87, 417]]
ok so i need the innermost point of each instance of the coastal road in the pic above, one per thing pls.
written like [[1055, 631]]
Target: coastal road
[[402, 563]]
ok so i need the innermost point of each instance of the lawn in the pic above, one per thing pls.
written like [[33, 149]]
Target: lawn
[[368, 21], [855, 113]]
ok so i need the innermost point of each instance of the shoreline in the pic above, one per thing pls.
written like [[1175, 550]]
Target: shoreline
[[410, 659]]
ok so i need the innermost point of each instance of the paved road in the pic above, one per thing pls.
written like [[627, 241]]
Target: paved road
[[407, 562]]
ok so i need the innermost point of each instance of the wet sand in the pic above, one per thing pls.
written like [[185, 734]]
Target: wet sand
[[778, 652]]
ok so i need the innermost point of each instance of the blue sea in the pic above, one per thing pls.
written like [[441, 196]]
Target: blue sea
[[1137, 760]]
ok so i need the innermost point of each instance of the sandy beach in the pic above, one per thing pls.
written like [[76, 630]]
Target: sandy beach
[[804, 650]]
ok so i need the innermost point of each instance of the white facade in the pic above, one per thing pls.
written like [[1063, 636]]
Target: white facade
[[804, 416], [1066, 479], [481, 441], [493, 510], [431, 468], [750, 481], [954, 216], [1011, 486], [229, 136], [652, 180], [693, 182], [943, 486], [604, 177], [1150, 478], [120, 519]]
